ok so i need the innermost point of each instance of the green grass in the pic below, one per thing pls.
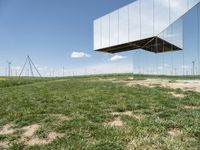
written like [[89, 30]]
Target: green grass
[[89, 102]]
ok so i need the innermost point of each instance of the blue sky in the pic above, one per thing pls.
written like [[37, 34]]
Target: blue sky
[[51, 30]]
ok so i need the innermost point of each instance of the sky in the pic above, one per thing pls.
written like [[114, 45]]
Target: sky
[[50, 31], [58, 36]]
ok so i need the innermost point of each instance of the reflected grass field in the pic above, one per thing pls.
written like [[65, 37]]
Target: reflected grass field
[[95, 113]]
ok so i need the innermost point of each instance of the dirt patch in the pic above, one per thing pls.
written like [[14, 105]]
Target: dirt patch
[[185, 85], [30, 130], [117, 122], [4, 145], [30, 139], [43, 141], [7, 129], [27, 135], [175, 132], [177, 95]]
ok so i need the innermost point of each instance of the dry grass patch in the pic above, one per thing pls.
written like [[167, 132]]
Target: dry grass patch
[[143, 143], [192, 107], [175, 132], [43, 141], [7, 129], [128, 113], [117, 122], [60, 117], [177, 95], [138, 116], [131, 145]]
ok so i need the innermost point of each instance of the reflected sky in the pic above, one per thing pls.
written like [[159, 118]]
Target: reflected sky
[[139, 20], [176, 21]]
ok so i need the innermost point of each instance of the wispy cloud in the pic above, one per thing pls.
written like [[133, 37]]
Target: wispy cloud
[[117, 57], [80, 55]]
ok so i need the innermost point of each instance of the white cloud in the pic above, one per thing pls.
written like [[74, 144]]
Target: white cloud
[[117, 57], [80, 55]]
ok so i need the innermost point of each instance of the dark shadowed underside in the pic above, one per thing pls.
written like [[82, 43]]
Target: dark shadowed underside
[[153, 44]]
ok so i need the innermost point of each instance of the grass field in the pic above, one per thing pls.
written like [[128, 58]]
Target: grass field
[[96, 113]]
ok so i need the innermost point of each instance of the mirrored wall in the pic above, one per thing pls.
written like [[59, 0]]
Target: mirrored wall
[[140, 20], [184, 62]]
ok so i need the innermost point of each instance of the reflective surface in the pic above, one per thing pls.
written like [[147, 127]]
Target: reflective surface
[[123, 25], [97, 34], [114, 28], [134, 21], [140, 20], [183, 32], [105, 31], [147, 18], [174, 33]]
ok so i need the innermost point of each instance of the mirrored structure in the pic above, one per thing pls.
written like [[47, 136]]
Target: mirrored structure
[[152, 25]]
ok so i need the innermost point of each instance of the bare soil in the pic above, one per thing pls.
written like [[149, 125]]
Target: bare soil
[[7, 129], [28, 136], [30, 130], [43, 141], [185, 85], [4, 145]]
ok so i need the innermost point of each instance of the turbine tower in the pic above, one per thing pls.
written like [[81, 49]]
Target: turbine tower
[[9, 68]]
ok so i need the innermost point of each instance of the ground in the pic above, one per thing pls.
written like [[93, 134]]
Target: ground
[[102, 112]]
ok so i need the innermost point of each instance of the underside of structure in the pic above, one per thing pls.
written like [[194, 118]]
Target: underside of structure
[[153, 44]]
